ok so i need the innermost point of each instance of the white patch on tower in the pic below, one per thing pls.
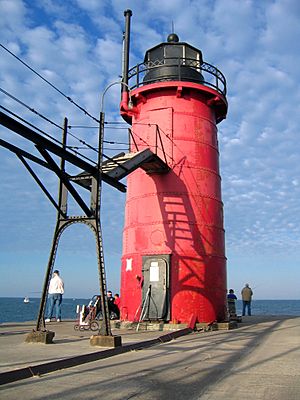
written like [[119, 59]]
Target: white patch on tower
[[129, 264]]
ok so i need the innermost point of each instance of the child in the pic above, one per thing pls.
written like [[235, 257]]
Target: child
[[231, 298]]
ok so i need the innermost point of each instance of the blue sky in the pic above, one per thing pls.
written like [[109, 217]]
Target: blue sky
[[77, 45]]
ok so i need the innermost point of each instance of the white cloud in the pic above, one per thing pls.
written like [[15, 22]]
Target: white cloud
[[13, 13], [79, 50]]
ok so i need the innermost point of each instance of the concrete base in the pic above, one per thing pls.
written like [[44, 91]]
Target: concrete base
[[216, 326], [227, 325], [105, 341], [147, 326], [45, 337], [204, 326], [169, 326]]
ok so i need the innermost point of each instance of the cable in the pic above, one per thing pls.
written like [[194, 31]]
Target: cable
[[77, 147], [95, 127], [83, 142], [29, 108], [114, 122], [45, 118], [73, 102], [116, 148], [109, 142], [33, 126], [148, 145], [70, 99], [105, 148], [92, 127], [46, 134], [82, 127], [115, 128], [49, 83]]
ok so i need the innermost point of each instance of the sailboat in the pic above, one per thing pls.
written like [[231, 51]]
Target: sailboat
[[26, 299]]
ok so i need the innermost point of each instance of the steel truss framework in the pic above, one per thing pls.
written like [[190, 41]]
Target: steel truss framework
[[110, 171], [91, 217]]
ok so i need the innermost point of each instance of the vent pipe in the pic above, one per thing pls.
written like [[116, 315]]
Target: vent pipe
[[126, 45]]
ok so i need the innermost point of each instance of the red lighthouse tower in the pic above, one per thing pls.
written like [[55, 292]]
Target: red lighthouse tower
[[173, 262]]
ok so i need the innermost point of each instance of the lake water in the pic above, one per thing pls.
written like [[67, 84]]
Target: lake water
[[13, 309]]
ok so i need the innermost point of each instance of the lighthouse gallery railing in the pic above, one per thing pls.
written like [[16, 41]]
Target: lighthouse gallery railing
[[211, 75]]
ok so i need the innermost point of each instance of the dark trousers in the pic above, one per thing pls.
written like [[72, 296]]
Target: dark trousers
[[246, 304]]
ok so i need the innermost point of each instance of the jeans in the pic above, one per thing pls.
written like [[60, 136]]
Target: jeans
[[54, 299], [246, 304]]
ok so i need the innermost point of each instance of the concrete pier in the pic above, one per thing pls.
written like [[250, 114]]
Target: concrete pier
[[259, 360]]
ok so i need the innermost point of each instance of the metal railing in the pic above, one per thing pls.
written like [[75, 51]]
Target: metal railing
[[212, 77], [159, 145]]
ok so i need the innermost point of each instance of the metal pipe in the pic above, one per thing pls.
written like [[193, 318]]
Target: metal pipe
[[126, 45]]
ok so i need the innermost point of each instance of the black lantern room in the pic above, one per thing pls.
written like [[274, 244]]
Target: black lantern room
[[172, 61]]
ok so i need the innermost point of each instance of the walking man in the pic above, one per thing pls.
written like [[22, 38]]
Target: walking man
[[247, 297], [56, 290]]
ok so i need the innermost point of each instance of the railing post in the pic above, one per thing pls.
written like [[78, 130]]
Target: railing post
[[131, 135], [156, 134], [161, 143]]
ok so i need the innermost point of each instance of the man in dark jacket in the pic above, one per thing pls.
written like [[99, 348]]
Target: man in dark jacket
[[112, 308]]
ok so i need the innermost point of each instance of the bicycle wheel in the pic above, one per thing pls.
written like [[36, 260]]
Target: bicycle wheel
[[94, 326]]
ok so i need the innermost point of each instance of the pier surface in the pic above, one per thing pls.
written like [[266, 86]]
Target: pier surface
[[259, 360]]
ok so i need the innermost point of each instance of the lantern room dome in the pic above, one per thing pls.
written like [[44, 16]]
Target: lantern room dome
[[173, 60], [173, 38]]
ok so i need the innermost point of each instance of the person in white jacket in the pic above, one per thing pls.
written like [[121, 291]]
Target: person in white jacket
[[56, 290]]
